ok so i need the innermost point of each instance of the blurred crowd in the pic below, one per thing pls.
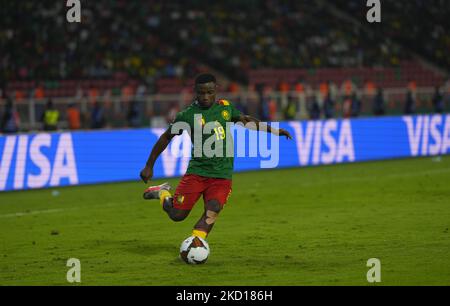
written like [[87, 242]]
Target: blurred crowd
[[349, 101], [421, 25], [241, 35], [114, 37], [286, 102], [152, 39], [120, 41]]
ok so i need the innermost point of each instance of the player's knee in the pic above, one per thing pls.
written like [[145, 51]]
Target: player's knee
[[167, 204], [179, 215], [214, 206]]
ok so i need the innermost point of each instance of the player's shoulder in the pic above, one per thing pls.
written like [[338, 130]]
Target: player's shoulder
[[181, 114], [224, 102]]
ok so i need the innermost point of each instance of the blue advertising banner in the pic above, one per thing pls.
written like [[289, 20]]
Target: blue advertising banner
[[43, 160]]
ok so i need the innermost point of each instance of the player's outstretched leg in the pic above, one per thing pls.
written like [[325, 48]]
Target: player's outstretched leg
[[207, 220], [162, 193]]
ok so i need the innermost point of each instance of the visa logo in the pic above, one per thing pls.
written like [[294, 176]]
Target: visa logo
[[27, 162], [425, 136], [324, 142]]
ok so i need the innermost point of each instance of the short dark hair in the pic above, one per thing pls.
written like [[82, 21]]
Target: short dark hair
[[205, 78]]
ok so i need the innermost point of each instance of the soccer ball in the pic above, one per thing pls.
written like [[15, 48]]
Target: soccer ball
[[194, 250]]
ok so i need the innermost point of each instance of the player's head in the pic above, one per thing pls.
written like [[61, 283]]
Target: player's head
[[205, 89]]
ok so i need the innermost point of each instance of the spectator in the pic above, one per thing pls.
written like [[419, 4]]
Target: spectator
[[98, 119], [10, 120], [283, 87], [347, 88], [39, 93], [267, 105], [93, 94], [410, 104], [140, 91], [133, 117], [314, 112], [263, 105], [263, 109], [378, 103], [19, 95], [127, 93], [347, 107], [301, 92], [328, 107], [333, 90], [272, 110], [446, 92], [299, 87], [438, 101], [290, 110], [355, 105], [73, 117], [50, 117], [369, 88], [324, 91], [412, 87]]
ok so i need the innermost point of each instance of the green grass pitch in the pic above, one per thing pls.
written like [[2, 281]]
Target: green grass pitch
[[306, 226]]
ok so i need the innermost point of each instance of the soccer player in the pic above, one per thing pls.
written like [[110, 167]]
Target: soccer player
[[207, 176]]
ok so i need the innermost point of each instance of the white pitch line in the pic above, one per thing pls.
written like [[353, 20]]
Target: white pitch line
[[36, 212], [51, 211], [334, 180]]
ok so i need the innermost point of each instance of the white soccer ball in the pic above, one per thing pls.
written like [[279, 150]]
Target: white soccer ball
[[194, 250]]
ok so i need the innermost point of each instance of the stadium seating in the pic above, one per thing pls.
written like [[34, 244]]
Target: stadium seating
[[163, 44], [383, 77], [419, 25]]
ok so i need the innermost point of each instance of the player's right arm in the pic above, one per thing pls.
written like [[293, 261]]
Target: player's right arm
[[162, 143]]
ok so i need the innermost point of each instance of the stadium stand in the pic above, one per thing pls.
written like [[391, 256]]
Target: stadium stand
[[122, 48], [170, 39], [418, 25]]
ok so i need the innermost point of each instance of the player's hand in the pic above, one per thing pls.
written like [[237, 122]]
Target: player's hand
[[283, 132], [146, 174]]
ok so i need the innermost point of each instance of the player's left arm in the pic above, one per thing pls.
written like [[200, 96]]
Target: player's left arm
[[261, 126]]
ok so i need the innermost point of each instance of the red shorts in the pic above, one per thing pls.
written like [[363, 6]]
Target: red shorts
[[193, 186]]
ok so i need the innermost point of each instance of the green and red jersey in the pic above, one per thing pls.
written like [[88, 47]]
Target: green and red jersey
[[219, 113]]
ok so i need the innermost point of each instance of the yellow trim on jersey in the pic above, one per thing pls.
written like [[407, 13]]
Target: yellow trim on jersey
[[225, 102]]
